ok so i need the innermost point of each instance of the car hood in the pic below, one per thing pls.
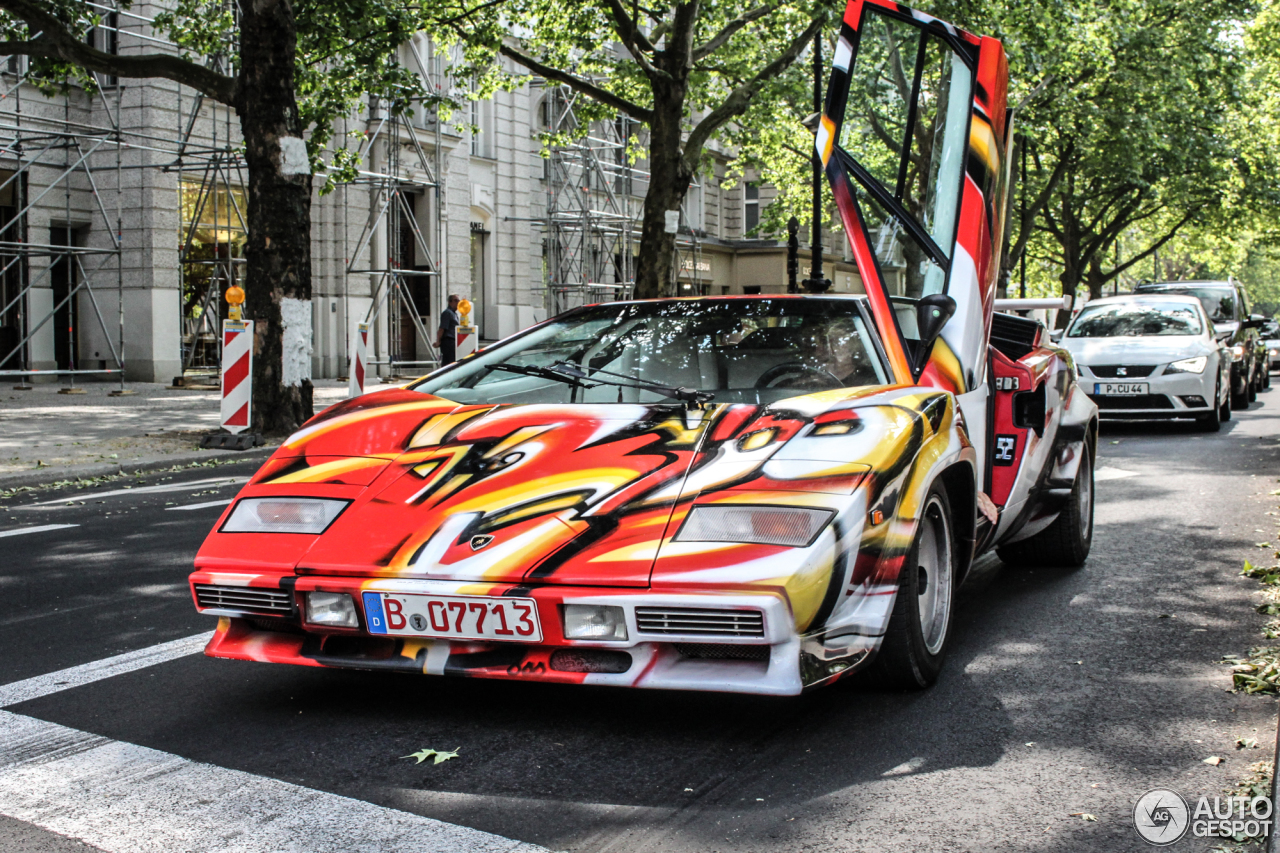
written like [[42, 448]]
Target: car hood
[[573, 494], [1155, 349]]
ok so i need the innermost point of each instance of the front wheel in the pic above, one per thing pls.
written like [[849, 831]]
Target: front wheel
[[911, 655], [1066, 542], [1212, 422]]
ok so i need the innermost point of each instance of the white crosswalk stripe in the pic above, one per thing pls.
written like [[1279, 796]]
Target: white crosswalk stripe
[[38, 529], [124, 798]]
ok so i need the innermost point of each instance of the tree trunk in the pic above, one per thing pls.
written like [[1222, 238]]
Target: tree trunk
[[278, 253], [1095, 278], [669, 177]]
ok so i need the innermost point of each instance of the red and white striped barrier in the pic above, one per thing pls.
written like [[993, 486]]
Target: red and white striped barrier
[[237, 375], [359, 355]]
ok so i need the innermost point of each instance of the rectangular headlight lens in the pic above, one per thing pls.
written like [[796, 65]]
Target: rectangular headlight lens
[[795, 527], [594, 622], [1188, 365], [283, 515], [331, 608]]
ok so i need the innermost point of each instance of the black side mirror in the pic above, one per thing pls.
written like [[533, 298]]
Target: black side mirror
[[1253, 321], [932, 313]]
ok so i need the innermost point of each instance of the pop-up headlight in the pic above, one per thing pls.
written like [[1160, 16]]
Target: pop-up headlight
[[283, 515], [795, 527]]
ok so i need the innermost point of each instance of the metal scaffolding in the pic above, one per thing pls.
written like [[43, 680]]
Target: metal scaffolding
[[592, 204], [45, 160]]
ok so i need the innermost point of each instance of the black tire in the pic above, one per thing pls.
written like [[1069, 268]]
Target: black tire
[[1224, 408], [1066, 542], [1266, 377], [1212, 422], [1240, 400], [1252, 391], [908, 659]]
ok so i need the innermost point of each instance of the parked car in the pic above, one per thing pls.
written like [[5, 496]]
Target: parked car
[[1270, 334], [1227, 305], [759, 494], [1151, 356]]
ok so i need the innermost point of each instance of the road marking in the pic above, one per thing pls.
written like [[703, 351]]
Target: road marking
[[65, 679], [124, 798], [200, 506], [40, 529], [212, 482], [1106, 472]]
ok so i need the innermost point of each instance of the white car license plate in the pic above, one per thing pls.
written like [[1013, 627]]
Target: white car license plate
[[1120, 389], [455, 617]]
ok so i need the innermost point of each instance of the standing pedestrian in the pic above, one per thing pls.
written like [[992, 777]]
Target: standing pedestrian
[[446, 332]]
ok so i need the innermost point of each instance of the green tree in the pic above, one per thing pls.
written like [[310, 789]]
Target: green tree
[[689, 71], [293, 69]]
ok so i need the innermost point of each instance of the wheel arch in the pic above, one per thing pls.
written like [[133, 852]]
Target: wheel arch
[[960, 483]]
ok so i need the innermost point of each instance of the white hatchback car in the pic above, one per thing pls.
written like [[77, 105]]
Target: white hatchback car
[[1151, 356]]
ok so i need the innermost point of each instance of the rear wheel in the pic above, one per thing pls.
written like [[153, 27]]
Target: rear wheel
[[1253, 387], [911, 655], [1066, 542]]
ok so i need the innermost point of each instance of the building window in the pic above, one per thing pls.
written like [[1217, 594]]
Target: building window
[[693, 206], [750, 207], [105, 38], [482, 136]]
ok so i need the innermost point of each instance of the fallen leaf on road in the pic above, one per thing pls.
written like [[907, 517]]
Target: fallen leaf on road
[[1246, 743], [438, 755], [1084, 816], [1214, 760]]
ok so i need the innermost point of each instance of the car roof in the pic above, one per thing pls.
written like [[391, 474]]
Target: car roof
[[1157, 286], [1145, 297]]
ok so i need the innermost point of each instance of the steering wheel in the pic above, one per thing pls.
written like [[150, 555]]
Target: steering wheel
[[796, 368]]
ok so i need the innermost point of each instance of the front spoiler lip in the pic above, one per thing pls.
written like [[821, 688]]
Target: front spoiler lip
[[790, 669]]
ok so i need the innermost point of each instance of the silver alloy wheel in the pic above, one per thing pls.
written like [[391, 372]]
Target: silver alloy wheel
[[1084, 494], [933, 589]]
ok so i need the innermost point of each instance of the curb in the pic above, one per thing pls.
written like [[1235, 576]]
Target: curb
[[45, 476], [1272, 841]]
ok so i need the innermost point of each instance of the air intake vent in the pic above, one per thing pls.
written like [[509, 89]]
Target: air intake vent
[[248, 599], [722, 651], [703, 622], [1013, 335]]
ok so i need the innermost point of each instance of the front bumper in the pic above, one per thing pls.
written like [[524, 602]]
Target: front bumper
[[1177, 395], [777, 662]]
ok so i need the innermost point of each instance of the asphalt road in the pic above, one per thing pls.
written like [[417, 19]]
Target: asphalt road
[[1067, 693]]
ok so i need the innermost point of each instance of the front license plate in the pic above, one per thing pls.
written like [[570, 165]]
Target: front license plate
[[1120, 389], [456, 617]]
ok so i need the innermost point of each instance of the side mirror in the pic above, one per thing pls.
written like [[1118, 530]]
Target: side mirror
[[1056, 335], [1253, 321], [932, 313]]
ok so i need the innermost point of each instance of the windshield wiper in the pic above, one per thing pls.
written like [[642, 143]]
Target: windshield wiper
[[688, 395], [543, 373]]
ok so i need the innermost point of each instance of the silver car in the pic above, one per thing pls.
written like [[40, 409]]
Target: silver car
[[1151, 357]]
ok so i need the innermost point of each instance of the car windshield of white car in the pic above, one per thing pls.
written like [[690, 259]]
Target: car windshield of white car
[[1128, 319], [737, 350]]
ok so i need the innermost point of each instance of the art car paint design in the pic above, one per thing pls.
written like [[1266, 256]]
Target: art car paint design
[[576, 504]]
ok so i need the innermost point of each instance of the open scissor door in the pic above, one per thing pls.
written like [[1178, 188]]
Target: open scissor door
[[913, 141]]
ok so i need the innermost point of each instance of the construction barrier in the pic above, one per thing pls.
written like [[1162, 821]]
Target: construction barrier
[[237, 375], [359, 356]]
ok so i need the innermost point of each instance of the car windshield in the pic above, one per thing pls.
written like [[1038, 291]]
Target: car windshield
[[1130, 319], [1219, 302], [735, 350]]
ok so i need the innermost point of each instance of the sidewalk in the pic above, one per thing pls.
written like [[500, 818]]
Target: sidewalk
[[46, 436]]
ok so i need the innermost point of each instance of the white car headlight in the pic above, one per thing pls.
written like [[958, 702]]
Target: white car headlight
[[283, 515], [795, 527], [594, 622], [331, 608], [1188, 365]]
